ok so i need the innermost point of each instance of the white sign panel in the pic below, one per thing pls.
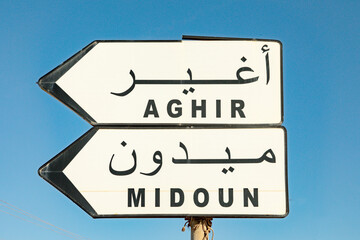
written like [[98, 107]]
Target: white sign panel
[[173, 82], [238, 172]]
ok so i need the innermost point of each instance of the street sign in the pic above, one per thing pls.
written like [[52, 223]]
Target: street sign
[[212, 81], [174, 172]]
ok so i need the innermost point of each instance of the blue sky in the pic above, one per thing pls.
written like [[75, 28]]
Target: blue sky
[[321, 96]]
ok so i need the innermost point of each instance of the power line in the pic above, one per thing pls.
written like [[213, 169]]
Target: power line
[[23, 212], [26, 220]]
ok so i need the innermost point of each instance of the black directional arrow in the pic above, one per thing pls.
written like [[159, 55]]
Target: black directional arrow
[[104, 80], [52, 172]]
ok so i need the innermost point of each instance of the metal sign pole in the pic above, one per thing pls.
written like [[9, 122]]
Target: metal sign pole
[[200, 227]]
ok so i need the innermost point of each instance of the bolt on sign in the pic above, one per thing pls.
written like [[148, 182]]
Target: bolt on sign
[[223, 81], [180, 128]]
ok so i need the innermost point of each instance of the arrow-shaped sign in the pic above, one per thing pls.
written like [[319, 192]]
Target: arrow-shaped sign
[[194, 81], [174, 172]]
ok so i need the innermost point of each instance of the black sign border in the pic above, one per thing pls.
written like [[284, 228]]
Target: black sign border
[[48, 82], [52, 173]]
